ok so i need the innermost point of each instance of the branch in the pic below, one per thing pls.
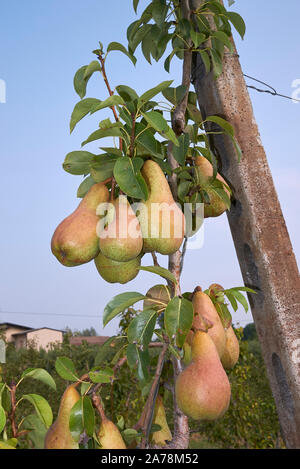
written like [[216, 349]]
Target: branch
[[178, 121], [145, 420], [12, 414], [98, 405], [116, 368]]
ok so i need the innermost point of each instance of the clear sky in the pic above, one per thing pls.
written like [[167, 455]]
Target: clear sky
[[42, 44]]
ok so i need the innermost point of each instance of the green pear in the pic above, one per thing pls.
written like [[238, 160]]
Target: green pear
[[232, 350], [204, 171], [4, 445], [158, 297], [122, 239], [75, 240], [159, 418], [204, 310], [109, 436], [59, 435], [117, 272], [202, 389], [162, 221]]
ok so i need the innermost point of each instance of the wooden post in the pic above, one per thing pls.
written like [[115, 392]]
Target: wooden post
[[261, 239]]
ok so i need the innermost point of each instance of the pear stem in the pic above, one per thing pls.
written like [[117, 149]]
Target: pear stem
[[98, 406]]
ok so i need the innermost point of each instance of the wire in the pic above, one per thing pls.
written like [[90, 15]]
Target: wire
[[273, 92], [50, 314]]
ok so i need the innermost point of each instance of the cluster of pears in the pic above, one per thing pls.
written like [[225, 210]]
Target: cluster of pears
[[202, 389], [59, 435], [119, 246], [203, 172]]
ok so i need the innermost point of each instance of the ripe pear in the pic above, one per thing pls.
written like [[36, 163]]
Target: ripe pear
[[158, 297], [159, 418], [75, 240], [204, 171], [4, 445], [202, 389], [59, 435], [117, 272], [162, 221], [232, 350], [109, 436], [204, 307], [122, 239]]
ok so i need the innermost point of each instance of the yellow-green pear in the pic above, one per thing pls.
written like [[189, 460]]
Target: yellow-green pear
[[162, 436], [4, 445], [158, 297], [204, 308], [161, 219], [122, 239], [117, 272], [109, 435], [204, 170], [232, 350], [75, 240], [59, 435], [202, 389]]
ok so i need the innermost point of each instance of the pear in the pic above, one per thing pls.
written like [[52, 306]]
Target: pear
[[159, 418], [75, 240], [202, 389], [232, 350], [117, 272], [109, 436], [122, 239], [59, 435], [204, 170], [158, 297], [204, 308], [162, 221], [4, 445]]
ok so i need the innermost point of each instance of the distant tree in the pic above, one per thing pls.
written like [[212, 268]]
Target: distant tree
[[250, 332]]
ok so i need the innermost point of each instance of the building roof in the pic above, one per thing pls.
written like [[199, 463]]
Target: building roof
[[15, 325], [93, 340], [38, 329]]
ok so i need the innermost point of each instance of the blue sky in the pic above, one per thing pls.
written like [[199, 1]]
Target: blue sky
[[42, 44]]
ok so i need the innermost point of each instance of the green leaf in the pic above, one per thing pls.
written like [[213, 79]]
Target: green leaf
[[142, 327], [102, 376], [85, 186], [194, 114], [2, 418], [153, 92], [217, 63], [37, 429], [138, 36], [237, 22], [128, 94], [42, 408], [159, 11], [5, 400], [138, 359], [157, 121], [175, 95], [119, 303], [180, 152], [93, 67], [183, 189], [82, 418], [128, 176], [149, 143], [198, 38], [241, 299], [135, 4], [113, 100], [178, 318], [225, 125], [129, 435], [165, 273], [169, 59], [205, 59], [117, 46], [232, 300], [66, 369], [102, 167], [81, 109], [78, 162], [113, 131], [41, 375], [221, 36], [79, 82]]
